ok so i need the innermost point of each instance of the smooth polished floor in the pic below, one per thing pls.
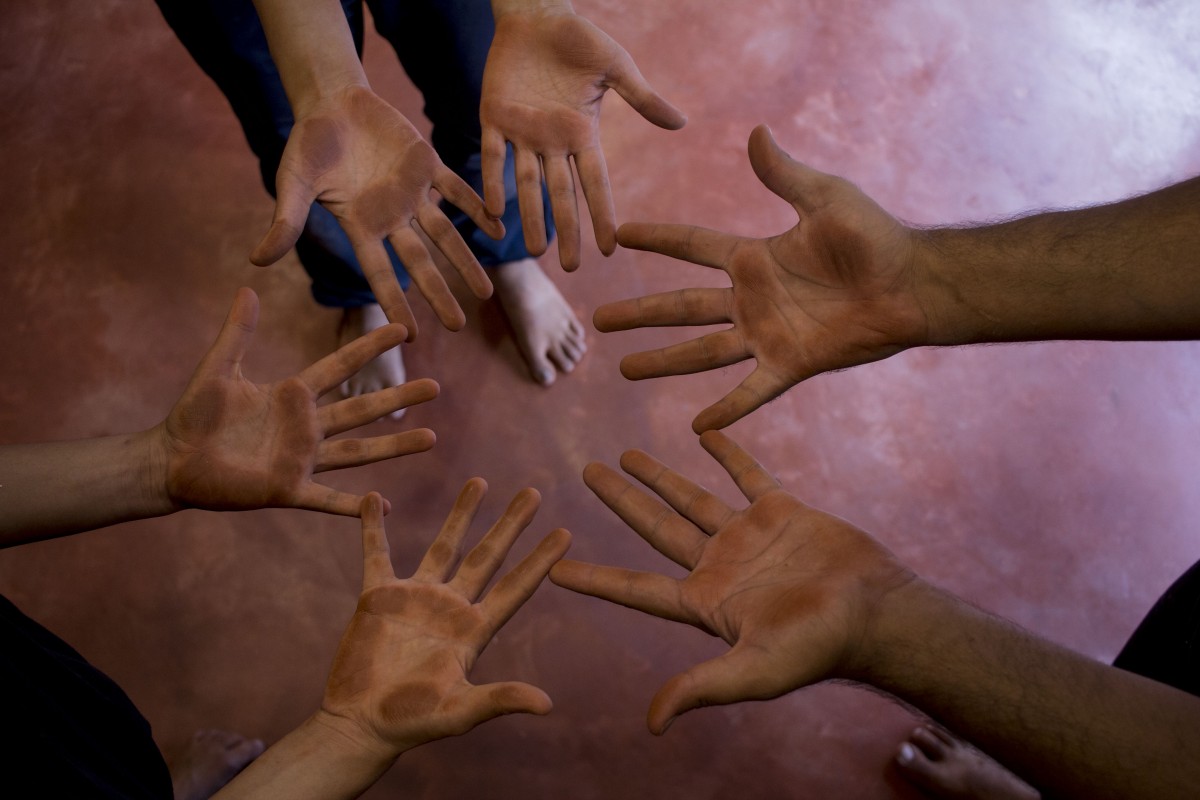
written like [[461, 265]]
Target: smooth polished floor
[[1051, 483]]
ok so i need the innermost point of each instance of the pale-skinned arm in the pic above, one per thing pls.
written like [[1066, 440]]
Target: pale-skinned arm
[[228, 444], [365, 162], [802, 596], [399, 678], [547, 72], [850, 284]]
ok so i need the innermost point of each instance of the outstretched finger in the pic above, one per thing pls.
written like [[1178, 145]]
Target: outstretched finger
[[462, 196], [702, 246], [593, 177], [225, 356], [564, 208], [694, 502], [628, 82], [748, 474], [760, 387], [381, 276], [666, 309], [729, 678], [647, 592], [519, 584], [443, 554], [425, 275], [529, 197], [341, 453], [339, 365], [493, 154], [352, 412], [711, 351], [486, 557], [294, 198], [447, 239], [667, 532], [377, 556]]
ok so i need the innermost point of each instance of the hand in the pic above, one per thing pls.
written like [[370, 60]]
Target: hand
[[400, 675], [366, 163], [793, 590], [837, 290], [232, 444], [545, 76]]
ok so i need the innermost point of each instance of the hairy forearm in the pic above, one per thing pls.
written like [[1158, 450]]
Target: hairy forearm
[[59, 488], [1070, 725], [313, 49], [1126, 270], [316, 761]]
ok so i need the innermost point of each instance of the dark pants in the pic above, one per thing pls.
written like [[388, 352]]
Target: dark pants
[[442, 45], [1166, 646]]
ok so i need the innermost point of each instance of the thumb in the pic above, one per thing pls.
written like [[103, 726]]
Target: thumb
[[497, 699], [227, 351], [294, 199], [779, 172], [730, 678], [628, 82]]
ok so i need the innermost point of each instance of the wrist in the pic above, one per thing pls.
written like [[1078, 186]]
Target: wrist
[[939, 287], [154, 459], [353, 741], [897, 628]]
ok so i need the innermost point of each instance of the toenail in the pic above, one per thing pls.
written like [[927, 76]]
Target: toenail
[[906, 753]]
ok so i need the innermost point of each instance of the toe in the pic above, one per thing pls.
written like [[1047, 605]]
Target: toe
[[918, 769], [562, 359], [541, 369]]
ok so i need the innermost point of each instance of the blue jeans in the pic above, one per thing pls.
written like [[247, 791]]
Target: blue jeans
[[442, 45]]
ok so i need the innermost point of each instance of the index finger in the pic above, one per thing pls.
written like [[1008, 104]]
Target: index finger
[[702, 246]]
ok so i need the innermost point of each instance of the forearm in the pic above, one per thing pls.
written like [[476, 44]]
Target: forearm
[[1127, 270], [313, 49], [316, 761], [59, 488], [1068, 724]]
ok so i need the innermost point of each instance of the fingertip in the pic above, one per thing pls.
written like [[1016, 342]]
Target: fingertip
[[631, 460], [372, 507], [592, 472]]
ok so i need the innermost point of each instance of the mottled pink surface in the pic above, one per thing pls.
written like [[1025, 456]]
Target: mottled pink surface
[[1052, 483]]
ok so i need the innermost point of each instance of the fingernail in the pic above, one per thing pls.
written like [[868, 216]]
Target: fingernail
[[906, 753]]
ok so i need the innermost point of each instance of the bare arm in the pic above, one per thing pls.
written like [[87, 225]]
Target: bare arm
[[399, 678], [802, 596], [228, 443], [850, 284]]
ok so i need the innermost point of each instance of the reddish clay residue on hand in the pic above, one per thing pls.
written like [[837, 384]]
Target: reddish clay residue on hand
[[400, 674], [230, 443], [367, 164], [791, 589], [835, 291], [546, 74]]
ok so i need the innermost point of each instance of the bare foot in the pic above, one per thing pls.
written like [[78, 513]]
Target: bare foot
[[387, 370], [947, 768], [210, 761], [547, 331]]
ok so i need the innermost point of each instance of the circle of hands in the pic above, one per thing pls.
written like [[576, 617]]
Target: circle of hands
[[792, 590]]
